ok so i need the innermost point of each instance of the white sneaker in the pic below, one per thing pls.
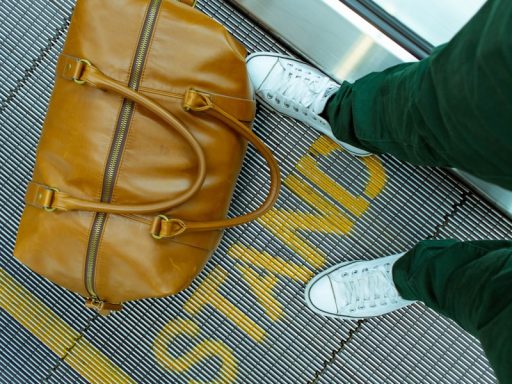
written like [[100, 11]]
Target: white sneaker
[[356, 290], [295, 89]]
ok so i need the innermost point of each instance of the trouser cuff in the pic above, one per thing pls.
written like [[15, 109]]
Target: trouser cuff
[[401, 279]]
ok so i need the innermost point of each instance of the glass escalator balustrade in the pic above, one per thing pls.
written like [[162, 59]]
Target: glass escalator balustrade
[[435, 20]]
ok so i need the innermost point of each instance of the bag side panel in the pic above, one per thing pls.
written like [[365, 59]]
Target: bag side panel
[[76, 140]]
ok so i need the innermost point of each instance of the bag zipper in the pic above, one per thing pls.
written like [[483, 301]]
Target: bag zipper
[[117, 147]]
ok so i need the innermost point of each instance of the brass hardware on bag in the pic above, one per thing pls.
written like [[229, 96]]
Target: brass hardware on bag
[[84, 62], [156, 227], [102, 307], [181, 224], [157, 222], [196, 101], [48, 208]]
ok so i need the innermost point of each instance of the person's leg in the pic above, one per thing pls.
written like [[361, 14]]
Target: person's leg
[[296, 89], [450, 109], [469, 282]]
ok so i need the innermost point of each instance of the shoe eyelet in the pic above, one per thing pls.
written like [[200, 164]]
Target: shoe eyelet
[[269, 96]]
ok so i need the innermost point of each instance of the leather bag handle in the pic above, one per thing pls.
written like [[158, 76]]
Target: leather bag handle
[[83, 72], [202, 102]]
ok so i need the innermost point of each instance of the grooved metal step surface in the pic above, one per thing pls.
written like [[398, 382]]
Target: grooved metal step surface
[[243, 320]]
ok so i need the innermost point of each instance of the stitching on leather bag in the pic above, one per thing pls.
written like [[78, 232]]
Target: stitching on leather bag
[[160, 92], [143, 220], [189, 245], [180, 96]]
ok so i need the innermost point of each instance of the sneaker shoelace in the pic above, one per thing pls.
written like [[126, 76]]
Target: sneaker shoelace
[[366, 287], [298, 86]]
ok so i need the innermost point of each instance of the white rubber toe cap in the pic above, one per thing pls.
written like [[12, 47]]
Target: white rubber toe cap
[[259, 65], [320, 297]]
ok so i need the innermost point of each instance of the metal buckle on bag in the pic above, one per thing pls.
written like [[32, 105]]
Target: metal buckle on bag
[[156, 227], [83, 63], [48, 208], [102, 307]]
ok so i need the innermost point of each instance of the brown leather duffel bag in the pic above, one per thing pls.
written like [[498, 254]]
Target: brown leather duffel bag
[[141, 148]]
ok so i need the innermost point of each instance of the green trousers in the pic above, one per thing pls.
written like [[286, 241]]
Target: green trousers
[[469, 282], [452, 109]]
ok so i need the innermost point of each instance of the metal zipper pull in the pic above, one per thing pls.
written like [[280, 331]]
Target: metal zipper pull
[[104, 308]]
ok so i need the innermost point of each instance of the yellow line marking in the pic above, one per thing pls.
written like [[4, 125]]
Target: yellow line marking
[[56, 334], [376, 172], [291, 227], [263, 287], [207, 349], [269, 263], [208, 293], [355, 204]]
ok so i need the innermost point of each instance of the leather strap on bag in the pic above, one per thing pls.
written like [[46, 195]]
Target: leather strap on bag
[[81, 71], [201, 102], [192, 3]]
